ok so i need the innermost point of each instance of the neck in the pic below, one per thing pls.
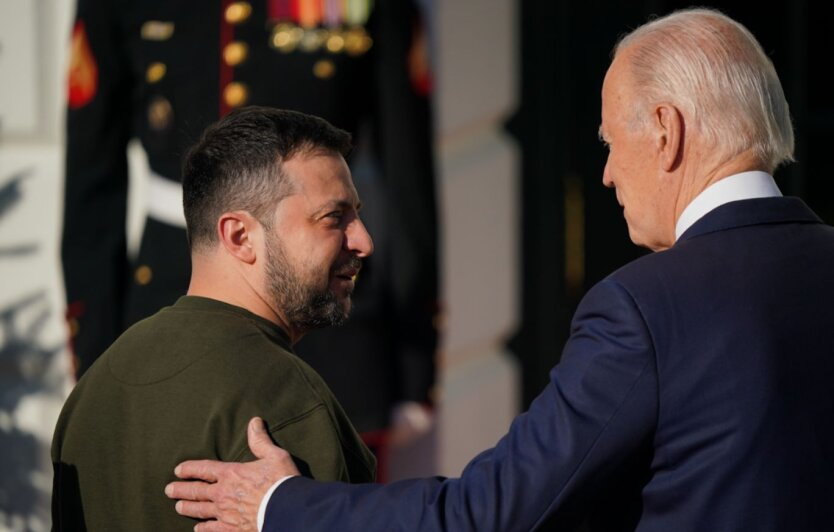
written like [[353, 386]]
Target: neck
[[703, 176], [213, 277]]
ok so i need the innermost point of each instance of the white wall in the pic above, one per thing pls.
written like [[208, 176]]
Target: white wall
[[34, 364]]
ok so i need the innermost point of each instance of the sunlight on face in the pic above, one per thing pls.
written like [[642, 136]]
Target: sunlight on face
[[315, 246], [632, 168]]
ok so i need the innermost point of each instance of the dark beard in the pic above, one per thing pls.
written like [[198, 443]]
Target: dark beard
[[304, 306]]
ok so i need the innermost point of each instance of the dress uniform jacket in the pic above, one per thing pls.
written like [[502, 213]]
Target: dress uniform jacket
[[161, 71], [143, 407]]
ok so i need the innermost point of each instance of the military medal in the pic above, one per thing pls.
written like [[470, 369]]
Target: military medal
[[357, 41], [333, 26], [285, 37]]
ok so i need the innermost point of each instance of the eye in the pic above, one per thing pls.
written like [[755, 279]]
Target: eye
[[604, 142], [335, 217]]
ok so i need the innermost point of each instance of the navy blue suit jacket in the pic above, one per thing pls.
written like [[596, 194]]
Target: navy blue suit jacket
[[696, 393]]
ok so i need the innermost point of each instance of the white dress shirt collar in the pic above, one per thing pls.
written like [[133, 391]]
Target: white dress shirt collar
[[746, 185]]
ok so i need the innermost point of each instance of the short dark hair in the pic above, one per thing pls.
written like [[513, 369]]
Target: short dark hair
[[237, 164]]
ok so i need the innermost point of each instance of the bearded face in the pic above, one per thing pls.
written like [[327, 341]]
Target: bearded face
[[314, 242], [310, 295]]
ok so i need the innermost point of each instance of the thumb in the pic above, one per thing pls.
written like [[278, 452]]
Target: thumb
[[259, 442]]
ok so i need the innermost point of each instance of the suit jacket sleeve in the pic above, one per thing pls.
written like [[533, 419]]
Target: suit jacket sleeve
[[597, 412], [93, 248]]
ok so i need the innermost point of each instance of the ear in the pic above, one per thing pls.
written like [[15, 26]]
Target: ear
[[671, 128], [238, 232]]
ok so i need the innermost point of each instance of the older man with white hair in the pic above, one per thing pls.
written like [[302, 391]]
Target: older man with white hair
[[694, 393]]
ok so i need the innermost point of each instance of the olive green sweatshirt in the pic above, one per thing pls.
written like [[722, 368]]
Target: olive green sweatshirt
[[182, 385]]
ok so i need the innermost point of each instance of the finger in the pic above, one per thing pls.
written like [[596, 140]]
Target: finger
[[259, 442], [208, 470], [199, 510], [213, 526], [191, 490]]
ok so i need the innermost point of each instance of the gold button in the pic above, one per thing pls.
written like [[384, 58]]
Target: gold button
[[324, 69], [157, 30], [335, 43], [235, 53], [235, 94], [155, 72], [237, 12], [143, 275], [160, 113]]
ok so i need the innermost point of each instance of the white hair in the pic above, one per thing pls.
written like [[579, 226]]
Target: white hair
[[716, 71]]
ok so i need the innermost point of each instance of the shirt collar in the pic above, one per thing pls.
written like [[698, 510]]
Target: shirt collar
[[746, 185]]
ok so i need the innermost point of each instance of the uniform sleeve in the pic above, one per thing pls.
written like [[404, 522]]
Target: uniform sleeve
[[597, 412], [93, 248], [405, 145]]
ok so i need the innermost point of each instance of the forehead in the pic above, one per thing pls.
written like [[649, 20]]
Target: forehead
[[320, 177], [616, 88]]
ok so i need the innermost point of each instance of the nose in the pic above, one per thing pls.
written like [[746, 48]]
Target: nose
[[358, 240], [606, 177]]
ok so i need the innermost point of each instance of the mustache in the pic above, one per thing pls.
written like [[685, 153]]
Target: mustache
[[354, 263]]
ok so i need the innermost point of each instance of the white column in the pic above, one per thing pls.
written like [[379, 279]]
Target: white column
[[476, 91]]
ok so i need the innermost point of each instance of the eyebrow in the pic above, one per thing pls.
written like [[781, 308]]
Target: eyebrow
[[339, 204]]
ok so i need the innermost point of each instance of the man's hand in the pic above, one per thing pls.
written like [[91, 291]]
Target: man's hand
[[231, 493]]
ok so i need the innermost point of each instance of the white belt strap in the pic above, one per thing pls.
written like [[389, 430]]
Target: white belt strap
[[165, 200]]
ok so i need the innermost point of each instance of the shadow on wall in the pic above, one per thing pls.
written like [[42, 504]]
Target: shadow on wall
[[24, 492]]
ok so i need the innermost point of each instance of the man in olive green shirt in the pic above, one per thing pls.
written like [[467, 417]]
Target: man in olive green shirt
[[276, 243]]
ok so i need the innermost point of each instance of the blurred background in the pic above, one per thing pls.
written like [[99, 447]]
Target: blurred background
[[525, 225]]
